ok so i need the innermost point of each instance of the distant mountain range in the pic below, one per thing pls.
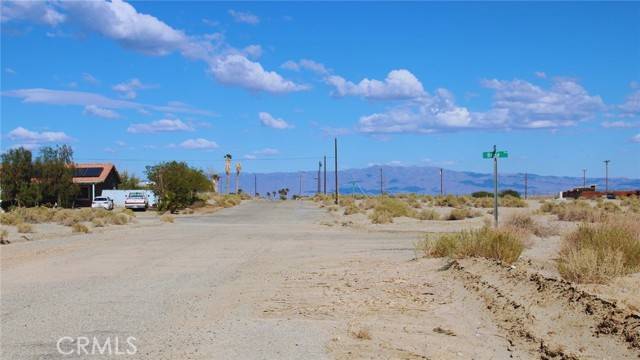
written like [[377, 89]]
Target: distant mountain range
[[417, 179]]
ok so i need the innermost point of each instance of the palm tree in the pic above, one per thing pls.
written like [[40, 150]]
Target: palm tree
[[227, 169], [215, 179], [238, 169]]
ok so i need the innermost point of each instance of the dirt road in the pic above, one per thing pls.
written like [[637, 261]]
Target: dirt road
[[268, 280]]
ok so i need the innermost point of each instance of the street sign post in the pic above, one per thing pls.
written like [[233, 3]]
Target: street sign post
[[495, 154]]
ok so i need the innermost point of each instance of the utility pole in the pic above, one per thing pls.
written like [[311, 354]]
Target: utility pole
[[255, 185], [319, 178], [335, 162], [606, 175], [525, 186], [584, 178], [325, 175], [441, 183], [381, 183], [495, 186]]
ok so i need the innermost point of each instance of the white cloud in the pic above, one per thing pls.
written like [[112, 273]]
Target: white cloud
[[244, 17], [128, 90], [399, 84], [90, 79], [631, 105], [164, 125], [619, 124], [262, 152], [34, 137], [306, 64], [236, 69], [267, 120], [100, 112], [636, 138], [36, 11], [517, 104], [541, 74], [121, 22], [253, 51], [9, 71], [80, 98], [210, 22], [198, 143]]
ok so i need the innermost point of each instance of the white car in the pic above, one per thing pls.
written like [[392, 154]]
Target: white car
[[136, 200], [102, 202]]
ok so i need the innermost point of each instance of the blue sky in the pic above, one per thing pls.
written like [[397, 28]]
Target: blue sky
[[555, 84]]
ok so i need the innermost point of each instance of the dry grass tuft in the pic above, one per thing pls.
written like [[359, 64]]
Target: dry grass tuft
[[595, 253], [463, 213], [575, 211], [4, 236], [500, 244], [119, 219], [381, 216], [97, 222], [168, 218], [80, 228], [427, 214], [525, 222], [24, 228], [512, 201]]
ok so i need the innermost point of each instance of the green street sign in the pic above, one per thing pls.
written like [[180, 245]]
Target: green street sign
[[491, 154]]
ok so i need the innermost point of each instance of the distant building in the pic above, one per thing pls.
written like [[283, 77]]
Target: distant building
[[92, 179]]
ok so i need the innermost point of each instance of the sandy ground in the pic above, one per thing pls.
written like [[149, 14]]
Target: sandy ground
[[268, 280]]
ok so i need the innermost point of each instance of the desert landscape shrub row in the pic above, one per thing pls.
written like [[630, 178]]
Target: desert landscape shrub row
[[23, 217]]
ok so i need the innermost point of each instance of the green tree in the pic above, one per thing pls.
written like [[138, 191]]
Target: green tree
[[15, 176], [129, 182], [176, 184], [54, 170], [509, 192]]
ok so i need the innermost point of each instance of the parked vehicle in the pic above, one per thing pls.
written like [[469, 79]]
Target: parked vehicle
[[136, 200], [102, 202]]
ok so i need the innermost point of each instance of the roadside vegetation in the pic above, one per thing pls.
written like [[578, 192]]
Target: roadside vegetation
[[595, 253], [177, 184], [502, 244]]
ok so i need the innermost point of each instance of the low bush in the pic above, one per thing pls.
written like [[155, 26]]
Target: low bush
[[463, 213], [120, 218], [512, 201], [524, 222], [97, 222], [381, 216], [352, 209], [4, 235], [395, 207], [450, 201], [595, 253], [228, 200], [24, 228], [574, 211], [427, 214], [79, 228], [500, 244], [482, 202]]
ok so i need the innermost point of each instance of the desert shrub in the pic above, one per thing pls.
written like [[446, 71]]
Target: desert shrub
[[24, 228], [395, 207], [167, 217], [463, 213], [98, 222], [176, 184], [346, 201], [79, 228], [594, 253], [427, 214], [368, 203], [351, 209], [608, 206], [187, 211], [450, 201], [381, 216], [574, 211], [499, 244], [4, 234], [524, 222], [512, 201], [631, 203], [228, 200], [9, 218], [482, 202], [120, 218]]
